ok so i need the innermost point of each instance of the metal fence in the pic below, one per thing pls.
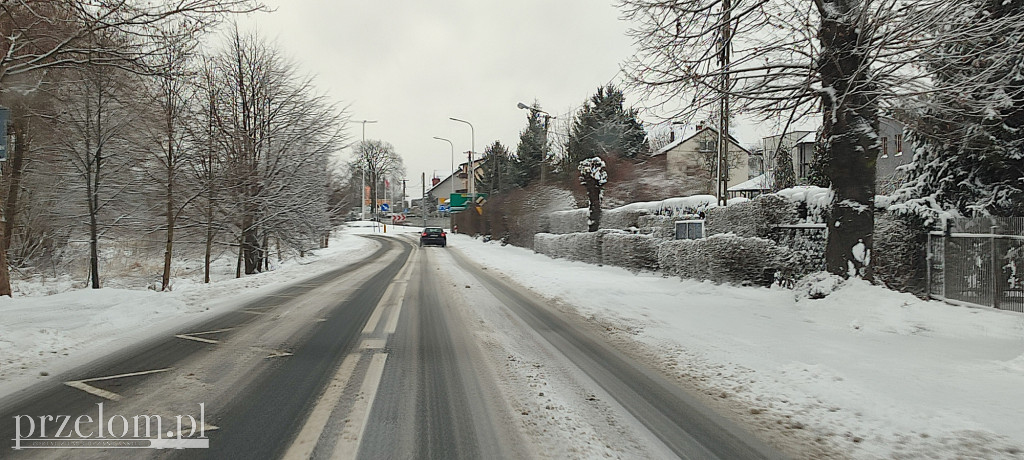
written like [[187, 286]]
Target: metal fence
[[978, 261]]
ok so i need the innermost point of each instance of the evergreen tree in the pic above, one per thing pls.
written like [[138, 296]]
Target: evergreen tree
[[603, 127], [533, 147], [783, 176], [502, 170], [969, 144]]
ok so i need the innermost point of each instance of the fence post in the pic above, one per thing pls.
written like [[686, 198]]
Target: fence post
[[928, 265], [995, 268]]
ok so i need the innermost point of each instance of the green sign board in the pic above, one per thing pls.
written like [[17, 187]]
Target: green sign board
[[460, 201]]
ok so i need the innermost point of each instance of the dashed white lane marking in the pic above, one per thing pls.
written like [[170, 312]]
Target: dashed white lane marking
[[373, 344], [393, 296], [84, 385], [303, 445], [273, 353], [347, 446], [192, 335], [254, 312]]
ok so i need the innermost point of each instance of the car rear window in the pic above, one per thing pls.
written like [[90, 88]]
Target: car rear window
[[433, 230]]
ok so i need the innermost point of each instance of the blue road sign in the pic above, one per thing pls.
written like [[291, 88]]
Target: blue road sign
[[384, 207], [442, 208]]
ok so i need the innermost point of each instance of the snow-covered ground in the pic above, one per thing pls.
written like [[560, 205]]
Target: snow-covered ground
[[42, 335], [866, 372]]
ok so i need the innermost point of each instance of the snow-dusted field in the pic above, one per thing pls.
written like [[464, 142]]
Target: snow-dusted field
[[865, 372], [41, 335]]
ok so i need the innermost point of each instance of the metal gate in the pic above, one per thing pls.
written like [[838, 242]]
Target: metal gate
[[978, 261]]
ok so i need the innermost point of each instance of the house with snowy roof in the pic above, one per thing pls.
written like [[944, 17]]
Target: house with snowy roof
[[693, 152], [800, 145]]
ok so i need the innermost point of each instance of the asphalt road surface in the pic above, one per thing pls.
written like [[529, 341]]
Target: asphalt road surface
[[379, 359]]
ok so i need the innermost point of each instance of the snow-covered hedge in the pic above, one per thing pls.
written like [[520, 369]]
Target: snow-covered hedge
[[811, 201], [571, 221], [663, 227], [723, 258], [754, 218], [624, 217], [629, 250], [620, 219], [581, 246], [898, 254]]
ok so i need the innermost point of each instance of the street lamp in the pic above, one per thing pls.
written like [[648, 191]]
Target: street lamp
[[362, 170], [472, 147], [547, 120], [453, 161]]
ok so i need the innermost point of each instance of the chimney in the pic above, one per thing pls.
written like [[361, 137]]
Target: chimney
[[700, 126], [435, 181]]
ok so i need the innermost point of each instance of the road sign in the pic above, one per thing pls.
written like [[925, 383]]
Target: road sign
[[384, 207], [442, 208]]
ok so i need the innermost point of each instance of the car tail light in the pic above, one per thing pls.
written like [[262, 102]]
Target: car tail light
[[443, 233], [424, 233]]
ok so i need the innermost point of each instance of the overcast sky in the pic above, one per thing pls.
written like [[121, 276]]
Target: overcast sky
[[411, 65]]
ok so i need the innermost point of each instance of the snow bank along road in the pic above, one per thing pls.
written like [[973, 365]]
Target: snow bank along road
[[414, 353]]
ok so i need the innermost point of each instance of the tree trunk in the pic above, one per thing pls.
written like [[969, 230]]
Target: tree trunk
[[5, 275], [849, 130], [94, 256], [165, 280], [17, 165], [209, 251], [594, 199], [250, 248], [9, 212]]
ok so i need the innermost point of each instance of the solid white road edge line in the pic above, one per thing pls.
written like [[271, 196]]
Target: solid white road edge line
[[347, 446], [303, 445]]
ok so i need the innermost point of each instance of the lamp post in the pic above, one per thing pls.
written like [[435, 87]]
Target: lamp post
[[469, 169], [362, 170], [547, 120], [453, 160]]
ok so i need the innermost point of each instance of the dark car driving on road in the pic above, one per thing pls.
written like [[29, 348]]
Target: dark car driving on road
[[433, 235]]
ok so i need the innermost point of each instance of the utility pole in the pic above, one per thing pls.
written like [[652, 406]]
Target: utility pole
[[423, 198], [362, 170], [403, 195], [725, 37]]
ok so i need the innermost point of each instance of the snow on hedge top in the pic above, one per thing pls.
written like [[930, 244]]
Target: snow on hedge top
[[673, 206]]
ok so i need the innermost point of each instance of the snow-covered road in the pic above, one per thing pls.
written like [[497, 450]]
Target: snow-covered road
[[864, 373]]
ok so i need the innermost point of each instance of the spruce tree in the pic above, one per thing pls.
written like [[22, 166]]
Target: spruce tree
[[502, 170], [969, 145], [604, 127], [533, 147], [783, 176]]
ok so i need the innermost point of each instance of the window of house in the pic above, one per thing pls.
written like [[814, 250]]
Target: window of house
[[899, 145], [885, 147]]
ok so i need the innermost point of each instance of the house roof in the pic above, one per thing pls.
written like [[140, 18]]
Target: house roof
[[762, 182], [678, 142]]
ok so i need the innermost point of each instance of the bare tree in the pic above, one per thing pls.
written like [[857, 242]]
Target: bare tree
[[276, 134], [379, 160], [848, 59], [39, 34]]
